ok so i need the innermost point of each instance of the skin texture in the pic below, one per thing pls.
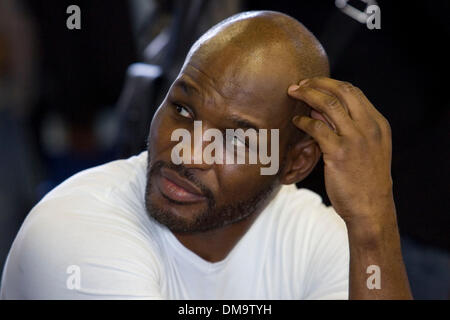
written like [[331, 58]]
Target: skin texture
[[243, 68]]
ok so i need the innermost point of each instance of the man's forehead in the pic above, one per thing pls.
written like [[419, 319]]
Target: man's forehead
[[230, 101], [243, 79]]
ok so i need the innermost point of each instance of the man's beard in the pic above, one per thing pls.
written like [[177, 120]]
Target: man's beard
[[212, 217]]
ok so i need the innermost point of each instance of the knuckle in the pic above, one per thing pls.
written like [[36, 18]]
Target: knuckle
[[360, 141], [380, 128], [317, 124], [332, 103], [341, 154], [358, 92], [386, 125], [376, 132], [342, 112], [347, 87]]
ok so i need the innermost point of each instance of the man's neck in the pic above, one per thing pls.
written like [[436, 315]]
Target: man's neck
[[215, 245]]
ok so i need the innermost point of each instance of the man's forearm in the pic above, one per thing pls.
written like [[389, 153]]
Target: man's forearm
[[377, 270]]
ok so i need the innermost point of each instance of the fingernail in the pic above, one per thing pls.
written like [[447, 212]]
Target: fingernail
[[303, 82], [294, 87], [295, 119]]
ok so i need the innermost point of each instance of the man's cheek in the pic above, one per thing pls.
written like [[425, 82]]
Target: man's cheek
[[160, 136], [240, 178]]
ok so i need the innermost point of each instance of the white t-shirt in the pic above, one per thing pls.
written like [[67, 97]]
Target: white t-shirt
[[91, 238]]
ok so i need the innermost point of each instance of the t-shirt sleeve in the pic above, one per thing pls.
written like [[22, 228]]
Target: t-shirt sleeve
[[328, 267], [65, 251]]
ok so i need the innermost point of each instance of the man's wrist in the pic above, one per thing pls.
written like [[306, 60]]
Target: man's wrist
[[374, 228]]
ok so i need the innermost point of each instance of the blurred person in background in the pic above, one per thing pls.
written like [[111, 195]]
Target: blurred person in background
[[58, 88], [81, 76], [19, 168]]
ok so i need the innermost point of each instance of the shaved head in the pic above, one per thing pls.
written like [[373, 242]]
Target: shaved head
[[261, 35], [268, 50]]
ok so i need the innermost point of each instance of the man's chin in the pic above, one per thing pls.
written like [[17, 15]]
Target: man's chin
[[189, 218], [162, 207]]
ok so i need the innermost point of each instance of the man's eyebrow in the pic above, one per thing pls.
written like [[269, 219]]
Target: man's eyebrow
[[187, 87], [241, 122], [238, 121]]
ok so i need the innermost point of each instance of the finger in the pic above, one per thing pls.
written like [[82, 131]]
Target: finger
[[326, 104], [319, 131], [320, 116], [369, 117], [359, 107]]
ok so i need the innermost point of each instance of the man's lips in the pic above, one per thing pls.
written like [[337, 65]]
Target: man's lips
[[177, 188]]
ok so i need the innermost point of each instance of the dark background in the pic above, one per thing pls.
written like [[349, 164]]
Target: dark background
[[68, 103]]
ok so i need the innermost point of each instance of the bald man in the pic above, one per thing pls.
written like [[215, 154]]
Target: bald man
[[152, 227]]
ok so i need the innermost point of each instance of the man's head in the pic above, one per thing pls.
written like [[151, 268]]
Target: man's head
[[235, 76]]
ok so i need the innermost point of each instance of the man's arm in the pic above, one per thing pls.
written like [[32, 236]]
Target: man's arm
[[379, 248], [355, 140]]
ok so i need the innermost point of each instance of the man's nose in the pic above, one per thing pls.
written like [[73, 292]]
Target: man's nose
[[197, 150], [199, 142], [198, 145]]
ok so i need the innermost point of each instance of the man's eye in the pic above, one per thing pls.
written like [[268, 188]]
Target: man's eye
[[237, 142], [182, 111]]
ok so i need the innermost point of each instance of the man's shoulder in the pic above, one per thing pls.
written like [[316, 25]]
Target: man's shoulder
[[301, 221], [104, 178], [103, 197], [300, 207], [95, 220], [310, 240]]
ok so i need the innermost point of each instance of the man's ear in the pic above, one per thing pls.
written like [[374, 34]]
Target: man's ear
[[301, 160]]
